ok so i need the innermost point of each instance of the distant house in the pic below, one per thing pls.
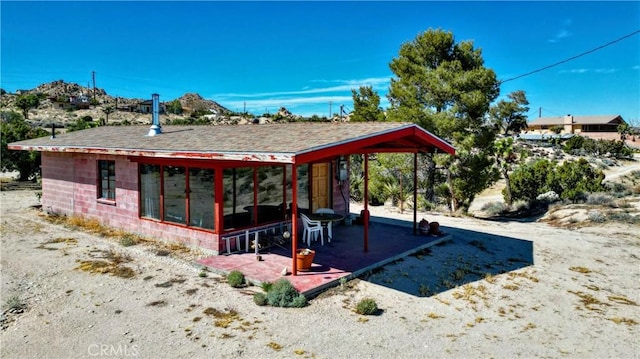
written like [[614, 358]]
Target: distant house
[[147, 107], [596, 127], [70, 102], [205, 185]]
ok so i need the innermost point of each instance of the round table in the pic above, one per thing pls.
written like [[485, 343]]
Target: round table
[[326, 219]]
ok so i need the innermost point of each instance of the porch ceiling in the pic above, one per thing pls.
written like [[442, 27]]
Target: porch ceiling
[[274, 143]]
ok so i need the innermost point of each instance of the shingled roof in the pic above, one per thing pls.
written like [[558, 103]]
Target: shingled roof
[[278, 143]]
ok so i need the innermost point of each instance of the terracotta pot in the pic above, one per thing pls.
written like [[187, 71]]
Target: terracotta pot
[[423, 226], [434, 228], [303, 260]]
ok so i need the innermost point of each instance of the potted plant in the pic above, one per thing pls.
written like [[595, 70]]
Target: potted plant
[[304, 258]]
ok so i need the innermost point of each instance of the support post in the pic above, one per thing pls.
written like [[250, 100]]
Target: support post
[[294, 219], [366, 203], [415, 193]]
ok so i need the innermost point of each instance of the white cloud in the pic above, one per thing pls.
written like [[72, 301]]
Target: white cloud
[[637, 67], [344, 86], [583, 71], [563, 33]]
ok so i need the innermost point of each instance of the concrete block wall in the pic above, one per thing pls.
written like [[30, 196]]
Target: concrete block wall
[[70, 185]]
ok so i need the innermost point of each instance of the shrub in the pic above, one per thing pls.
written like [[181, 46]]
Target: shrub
[[530, 180], [260, 299], [596, 217], [128, 240], [602, 199], [235, 279], [367, 306], [266, 286], [495, 208], [572, 180], [283, 294]]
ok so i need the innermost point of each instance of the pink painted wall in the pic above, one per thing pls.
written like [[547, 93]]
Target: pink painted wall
[[69, 187]]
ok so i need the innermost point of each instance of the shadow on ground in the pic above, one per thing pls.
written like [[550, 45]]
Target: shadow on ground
[[467, 257]]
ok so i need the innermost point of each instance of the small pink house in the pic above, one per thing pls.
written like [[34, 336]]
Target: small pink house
[[201, 185]]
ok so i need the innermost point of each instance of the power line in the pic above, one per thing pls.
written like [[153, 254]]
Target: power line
[[572, 58]]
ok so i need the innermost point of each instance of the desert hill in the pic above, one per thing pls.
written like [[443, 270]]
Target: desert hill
[[65, 102]]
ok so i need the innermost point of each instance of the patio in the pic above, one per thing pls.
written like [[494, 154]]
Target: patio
[[389, 240]]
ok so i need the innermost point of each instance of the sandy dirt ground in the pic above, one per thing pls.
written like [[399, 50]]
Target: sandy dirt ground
[[497, 289]]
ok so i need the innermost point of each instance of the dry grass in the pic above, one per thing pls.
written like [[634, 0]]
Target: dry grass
[[626, 321], [94, 226], [223, 319], [580, 269], [110, 263], [275, 346]]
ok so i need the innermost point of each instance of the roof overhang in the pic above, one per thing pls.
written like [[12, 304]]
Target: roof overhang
[[276, 143]]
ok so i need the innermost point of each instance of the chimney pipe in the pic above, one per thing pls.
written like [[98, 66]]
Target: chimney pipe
[[155, 129]]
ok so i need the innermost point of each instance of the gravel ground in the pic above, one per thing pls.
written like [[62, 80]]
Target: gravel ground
[[498, 289]]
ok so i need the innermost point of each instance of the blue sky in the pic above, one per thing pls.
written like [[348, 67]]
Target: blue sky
[[307, 56]]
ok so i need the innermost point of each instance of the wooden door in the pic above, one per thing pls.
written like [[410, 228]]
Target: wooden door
[[320, 175]]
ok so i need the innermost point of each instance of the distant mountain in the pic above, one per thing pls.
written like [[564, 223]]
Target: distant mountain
[[192, 102]]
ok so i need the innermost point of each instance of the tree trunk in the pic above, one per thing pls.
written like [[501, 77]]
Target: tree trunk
[[431, 177], [507, 188], [454, 201]]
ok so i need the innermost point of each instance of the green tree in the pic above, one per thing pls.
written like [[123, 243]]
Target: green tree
[[624, 130], [26, 102], [443, 86], [573, 179], [80, 124], [366, 105], [505, 157], [109, 109], [174, 107], [510, 115], [15, 128], [530, 180]]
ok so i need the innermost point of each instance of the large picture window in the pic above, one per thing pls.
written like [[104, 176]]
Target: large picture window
[[201, 197], [169, 193], [150, 181], [175, 194], [107, 180]]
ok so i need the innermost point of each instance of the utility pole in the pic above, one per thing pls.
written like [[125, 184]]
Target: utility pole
[[329, 109], [93, 77], [539, 112], [341, 112]]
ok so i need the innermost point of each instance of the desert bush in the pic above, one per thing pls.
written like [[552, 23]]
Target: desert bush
[[283, 294], [530, 179], [574, 179], [624, 217], [15, 303], [495, 208], [367, 306], [235, 279], [617, 189], [601, 199], [128, 240], [260, 299], [596, 217], [266, 286]]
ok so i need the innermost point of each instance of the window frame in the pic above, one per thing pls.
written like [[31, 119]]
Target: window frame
[[110, 179]]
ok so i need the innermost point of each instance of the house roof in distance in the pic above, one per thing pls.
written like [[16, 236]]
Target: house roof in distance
[[578, 120], [276, 143]]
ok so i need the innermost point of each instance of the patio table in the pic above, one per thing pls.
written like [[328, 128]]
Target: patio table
[[325, 219]]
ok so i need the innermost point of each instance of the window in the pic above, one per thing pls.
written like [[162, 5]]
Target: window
[[169, 193], [201, 197], [107, 180], [175, 194], [150, 191]]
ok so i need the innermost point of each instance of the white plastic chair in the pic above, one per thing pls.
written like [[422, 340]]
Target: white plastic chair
[[327, 210], [311, 228]]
